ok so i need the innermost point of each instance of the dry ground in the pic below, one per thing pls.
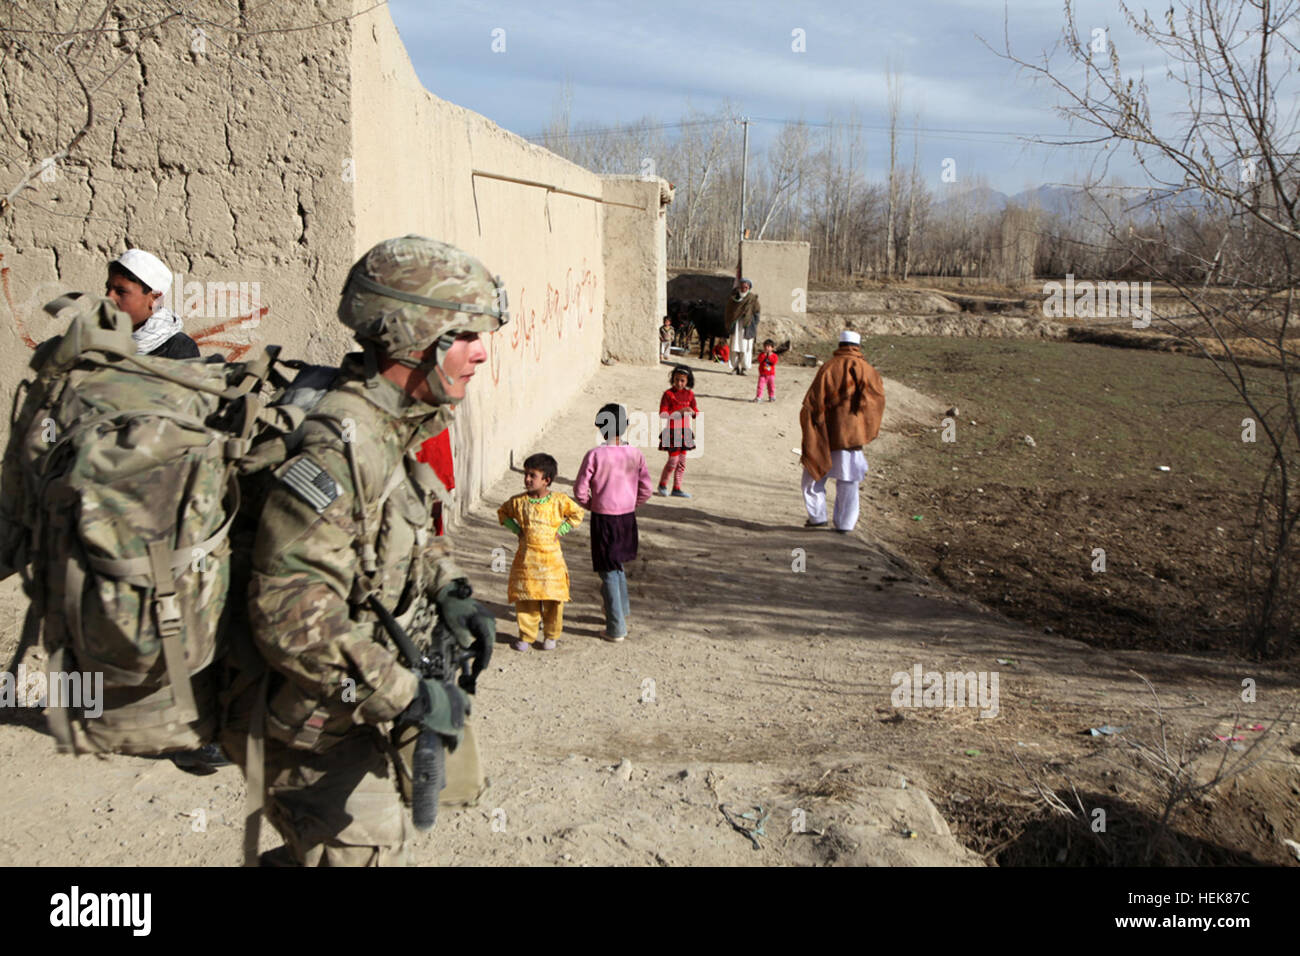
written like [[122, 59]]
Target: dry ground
[[744, 682]]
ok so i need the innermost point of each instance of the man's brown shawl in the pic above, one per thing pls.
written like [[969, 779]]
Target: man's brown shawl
[[739, 310], [842, 408]]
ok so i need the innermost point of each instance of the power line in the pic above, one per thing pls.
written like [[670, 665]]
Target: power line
[[626, 130], [902, 129], [963, 135]]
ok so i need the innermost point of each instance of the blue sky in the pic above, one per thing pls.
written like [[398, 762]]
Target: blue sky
[[629, 60]]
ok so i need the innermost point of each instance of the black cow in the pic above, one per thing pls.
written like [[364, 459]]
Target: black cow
[[680, 321], [707, 319]]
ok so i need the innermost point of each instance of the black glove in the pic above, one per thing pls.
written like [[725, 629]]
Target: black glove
[[440, 707], [469, 622]]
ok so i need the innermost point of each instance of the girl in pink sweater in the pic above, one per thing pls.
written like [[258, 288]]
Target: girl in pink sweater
[[612, 482]]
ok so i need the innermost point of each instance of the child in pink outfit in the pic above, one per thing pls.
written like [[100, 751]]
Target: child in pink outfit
[[767, 372], [612, 482]]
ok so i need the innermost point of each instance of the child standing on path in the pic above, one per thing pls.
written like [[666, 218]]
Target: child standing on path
[[539, 579], [612, 483], [677, 412], [665, 339], [767, 371]]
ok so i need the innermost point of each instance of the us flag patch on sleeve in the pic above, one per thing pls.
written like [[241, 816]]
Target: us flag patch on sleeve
[[311, 483]]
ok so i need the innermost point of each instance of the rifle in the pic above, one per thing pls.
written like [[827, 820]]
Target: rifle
[[445, 658]]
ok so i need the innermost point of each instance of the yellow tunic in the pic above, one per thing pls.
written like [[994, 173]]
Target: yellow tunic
[[539, 572]]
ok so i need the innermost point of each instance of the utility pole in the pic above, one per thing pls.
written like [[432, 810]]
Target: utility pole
[[744, 172]]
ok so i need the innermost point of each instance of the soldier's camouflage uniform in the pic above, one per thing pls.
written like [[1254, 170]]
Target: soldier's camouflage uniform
[[336, 684]]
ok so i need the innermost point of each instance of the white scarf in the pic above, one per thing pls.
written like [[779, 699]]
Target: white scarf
[[156, 330]]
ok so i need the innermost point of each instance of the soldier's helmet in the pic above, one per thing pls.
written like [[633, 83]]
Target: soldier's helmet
[[405, 294]]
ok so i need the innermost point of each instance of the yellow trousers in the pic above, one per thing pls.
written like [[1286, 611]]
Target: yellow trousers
[[550, 614]]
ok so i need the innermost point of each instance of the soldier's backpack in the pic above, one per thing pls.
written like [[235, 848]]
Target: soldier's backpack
[[129, 486]]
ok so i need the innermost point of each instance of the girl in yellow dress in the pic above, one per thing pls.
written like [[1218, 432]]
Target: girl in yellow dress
[[539, 578]]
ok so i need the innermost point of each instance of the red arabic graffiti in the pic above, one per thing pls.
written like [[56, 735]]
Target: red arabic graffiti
[[576, 301], [207, 338]]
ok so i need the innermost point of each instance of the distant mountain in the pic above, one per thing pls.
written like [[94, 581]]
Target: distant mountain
[[1053, 200], [977, 199]]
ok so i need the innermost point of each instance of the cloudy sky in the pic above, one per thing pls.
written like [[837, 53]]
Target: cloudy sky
[[627, 60]]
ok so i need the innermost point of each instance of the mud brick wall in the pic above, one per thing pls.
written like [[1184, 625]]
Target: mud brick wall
[[258, 160]]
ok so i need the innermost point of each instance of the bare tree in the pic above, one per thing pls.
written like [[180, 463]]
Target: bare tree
[[1232, 145], [558, 136], [1018, 244], [895, 85], [787, 158], [913, 188]]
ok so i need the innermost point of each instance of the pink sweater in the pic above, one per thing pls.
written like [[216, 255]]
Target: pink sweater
[[613, 480]]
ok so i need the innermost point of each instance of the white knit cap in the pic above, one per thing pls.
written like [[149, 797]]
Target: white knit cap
[[148, 268], [850, 338]]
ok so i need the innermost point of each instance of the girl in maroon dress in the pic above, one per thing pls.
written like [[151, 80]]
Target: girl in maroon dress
[[677, 411]]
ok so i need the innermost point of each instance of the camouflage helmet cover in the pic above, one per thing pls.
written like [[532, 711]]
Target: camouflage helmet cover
[[405, 294]]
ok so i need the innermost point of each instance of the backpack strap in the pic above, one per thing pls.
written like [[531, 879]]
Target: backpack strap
[[57, 718], [167, 617], [74, 582], [369, 559], [363, 585], [255, 772]]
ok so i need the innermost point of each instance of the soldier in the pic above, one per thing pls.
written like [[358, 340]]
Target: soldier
[[350, 517]]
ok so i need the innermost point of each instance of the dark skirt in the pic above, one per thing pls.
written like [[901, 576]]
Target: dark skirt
[[613, 541], [676, 437]]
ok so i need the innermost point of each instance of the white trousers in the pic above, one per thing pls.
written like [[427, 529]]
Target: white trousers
[[738, 347], [848, 468]]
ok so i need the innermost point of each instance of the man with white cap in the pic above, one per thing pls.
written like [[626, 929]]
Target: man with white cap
[[740, 318], [841, 413], [137, 282]]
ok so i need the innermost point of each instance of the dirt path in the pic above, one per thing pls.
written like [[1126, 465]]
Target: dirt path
[[744, 682]]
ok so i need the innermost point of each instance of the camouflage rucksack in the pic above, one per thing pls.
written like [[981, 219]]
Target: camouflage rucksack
[[129, 486]]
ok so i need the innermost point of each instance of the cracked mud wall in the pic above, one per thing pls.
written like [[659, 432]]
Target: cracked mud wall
[[244, 150], [217, 149], [636, 266]]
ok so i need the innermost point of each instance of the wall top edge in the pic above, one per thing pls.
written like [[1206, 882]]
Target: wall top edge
[[776, 242], [383, 31]]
